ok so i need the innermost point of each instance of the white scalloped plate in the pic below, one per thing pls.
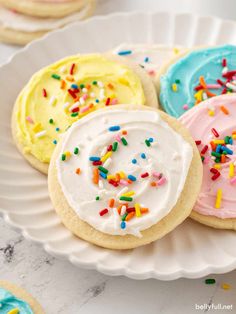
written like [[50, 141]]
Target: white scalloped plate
[[192, 250]]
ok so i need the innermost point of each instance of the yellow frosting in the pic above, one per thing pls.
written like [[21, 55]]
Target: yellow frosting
[[36, 132]]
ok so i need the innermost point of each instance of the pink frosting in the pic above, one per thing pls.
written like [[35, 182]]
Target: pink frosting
[[200, 123]]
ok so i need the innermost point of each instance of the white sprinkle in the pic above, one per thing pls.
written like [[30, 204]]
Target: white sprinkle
[[100, 84], [84, 90], [204, 96], [66, 105], [82, 101], [123, 210], [41, 133], [52, 100], [232, 86], [63, 69], [107, 162], [103, 152], [76, 105], [225, 70], [100, 184], [92, 95], [125, 189]]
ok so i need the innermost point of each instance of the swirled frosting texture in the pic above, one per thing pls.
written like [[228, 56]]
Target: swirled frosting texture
[[155, 172], [61, 93], [9, 302], [200, 125], [180, 86]]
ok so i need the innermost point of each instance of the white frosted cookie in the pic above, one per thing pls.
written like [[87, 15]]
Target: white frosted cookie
[[125, 176], [149, 56], [44, 8], [20, 29], [15, 300]]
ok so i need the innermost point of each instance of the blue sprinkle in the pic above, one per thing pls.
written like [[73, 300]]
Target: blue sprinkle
[[55, 142], [123, 224], [228, 151], [218, 149], [143, 156], [131, 177], [97, 101], [146, 59], [103, 175], [231, 141], [151, 140], [114, 128], [134, 161], [57, 129], [74, 86], [124, 52], [94, 158]]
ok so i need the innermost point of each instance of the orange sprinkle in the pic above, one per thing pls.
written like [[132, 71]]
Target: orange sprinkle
[[70, 79], [95, 176], [225, 110], [88, 86], [213, 145], [234, 132], [78, 170], [129, 181], [111, 202], [124, 132], [63, 84], [110, 86], [129, 216], [210, 94], [202, 82], [223, 158], [144, 210], [91, 106], [117, 177], [153, 183]]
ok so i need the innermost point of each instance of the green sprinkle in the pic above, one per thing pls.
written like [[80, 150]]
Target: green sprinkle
[[226, 139], [55, 76], [203, 158], [94, 82], [97, 198], [74, 114], [114, 146], [51, 121], [124, 216], [123, 140], [216, 154], [177, 81], [82, 86], [147, 143], [63, 157], [217, 160], [126, 198], [210, 281], [76, 150], [103, 169]]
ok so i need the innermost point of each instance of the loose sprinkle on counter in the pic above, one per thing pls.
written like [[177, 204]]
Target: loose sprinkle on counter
[[210, 281], [78, 171]]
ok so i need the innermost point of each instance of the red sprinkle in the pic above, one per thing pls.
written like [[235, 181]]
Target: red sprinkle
[[224, 62], [44, 92], [199, 87], [75, 109], [103, 212], [109, 148], [229, 74], [72, 69], [114, 183], [213, 170], [198, 142], [108, 101], [215, 132], [144, 175], [224, 91], [204, 150], [72, 93], [97, 163], [130, 209], [220, 82], [215, 176]]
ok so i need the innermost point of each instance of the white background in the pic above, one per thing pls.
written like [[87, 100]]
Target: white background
[[64, 289]]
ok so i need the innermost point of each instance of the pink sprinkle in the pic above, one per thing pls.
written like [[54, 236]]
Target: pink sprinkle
[[185, 107], [114, 101], [234, 78], [123, 182], [84, 109], [29, 119], [213, 86], [207, 159], [233, 180], [156, 174], [117, 137], [85, 96], [161, 181], [151, 72]]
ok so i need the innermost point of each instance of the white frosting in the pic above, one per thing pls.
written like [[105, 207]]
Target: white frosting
[[157, 55], [169, 154], [25, 23]]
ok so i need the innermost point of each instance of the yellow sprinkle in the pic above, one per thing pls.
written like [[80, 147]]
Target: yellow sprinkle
[[123, 81], [111, 177], [211, 113], [217, 166], [137, 209], [234, 136], [122, 175], [218, 198], [198, 95], [218, 141], [14, 311], [68, 154], [225, 286], [106, 156], [176, 50], [174, 87], [130, 193], [231, 170], [37, 127]]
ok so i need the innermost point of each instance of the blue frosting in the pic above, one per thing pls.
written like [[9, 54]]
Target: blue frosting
[[8, 302], [185, 73]]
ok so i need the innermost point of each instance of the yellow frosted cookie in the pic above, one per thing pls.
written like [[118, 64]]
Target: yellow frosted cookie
[[125, 176]]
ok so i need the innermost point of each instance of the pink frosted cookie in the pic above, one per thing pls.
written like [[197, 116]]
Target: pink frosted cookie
[[213, 126]]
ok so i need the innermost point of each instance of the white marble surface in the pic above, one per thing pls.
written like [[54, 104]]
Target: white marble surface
[[64, 289]]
